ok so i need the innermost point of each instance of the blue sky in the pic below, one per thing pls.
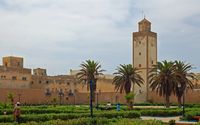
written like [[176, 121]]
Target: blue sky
[[60, 34]]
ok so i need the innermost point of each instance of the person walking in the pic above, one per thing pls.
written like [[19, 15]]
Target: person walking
[[17, 112], [118, 106]]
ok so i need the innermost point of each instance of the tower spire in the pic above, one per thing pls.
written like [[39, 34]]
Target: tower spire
[[143, 14]]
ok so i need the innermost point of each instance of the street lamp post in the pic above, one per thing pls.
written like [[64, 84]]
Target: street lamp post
[[91, 91], [61, 94], [183, 112]]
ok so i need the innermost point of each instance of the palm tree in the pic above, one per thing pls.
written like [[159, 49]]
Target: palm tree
[[162, 78], [185, 78], [88, 73], [126, 77]]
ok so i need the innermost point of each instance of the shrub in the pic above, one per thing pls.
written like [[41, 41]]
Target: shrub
[[172, 122]]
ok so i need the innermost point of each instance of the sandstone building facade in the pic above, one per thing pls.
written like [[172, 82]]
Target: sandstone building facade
[[13, 75], [37, 87]]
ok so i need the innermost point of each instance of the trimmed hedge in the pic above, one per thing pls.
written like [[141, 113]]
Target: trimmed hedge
[[66, 109], [190, 114], [94, 121], [42, 110], [137, 122], [64, 116], [45, 113], [161, 112]]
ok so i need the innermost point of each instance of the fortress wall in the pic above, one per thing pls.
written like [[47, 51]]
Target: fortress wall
[[37, 96], [191, 96]]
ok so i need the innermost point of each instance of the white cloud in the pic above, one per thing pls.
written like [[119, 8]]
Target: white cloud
[[60, 34]]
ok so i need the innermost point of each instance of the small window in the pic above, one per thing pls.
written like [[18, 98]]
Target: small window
[[152, 62], [139, 53], [139, 42], [31, 82], [47, 82], [24, 78], [140, 65], [68, 83], [18, 63], [40, 82], [14, 78]]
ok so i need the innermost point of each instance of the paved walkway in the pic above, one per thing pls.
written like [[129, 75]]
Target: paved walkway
[[167, 119]]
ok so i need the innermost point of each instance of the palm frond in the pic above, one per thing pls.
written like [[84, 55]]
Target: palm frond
[[125, 77]]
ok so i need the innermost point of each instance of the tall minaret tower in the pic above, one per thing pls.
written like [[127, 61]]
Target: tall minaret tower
[[144, 56]]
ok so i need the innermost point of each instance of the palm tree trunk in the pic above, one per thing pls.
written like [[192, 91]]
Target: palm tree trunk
[[167, 101]]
